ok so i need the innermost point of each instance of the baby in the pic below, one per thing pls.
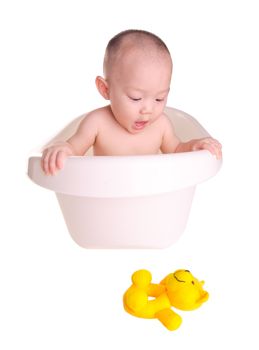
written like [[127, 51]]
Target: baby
[[137, 76]]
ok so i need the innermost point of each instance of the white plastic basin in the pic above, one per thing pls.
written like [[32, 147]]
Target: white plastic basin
[[129, 201]]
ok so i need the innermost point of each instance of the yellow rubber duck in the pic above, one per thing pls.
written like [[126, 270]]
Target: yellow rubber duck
[[148, 300]]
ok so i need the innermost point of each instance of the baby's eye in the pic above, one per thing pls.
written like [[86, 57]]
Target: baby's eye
[[159, 99], [134, 99]]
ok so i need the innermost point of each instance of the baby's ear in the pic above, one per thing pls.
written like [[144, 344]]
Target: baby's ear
[[102, 87]]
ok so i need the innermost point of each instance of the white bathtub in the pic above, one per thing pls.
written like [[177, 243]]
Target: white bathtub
[[129, 201]]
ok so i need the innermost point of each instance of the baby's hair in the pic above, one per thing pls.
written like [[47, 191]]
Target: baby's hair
[[138, 37]]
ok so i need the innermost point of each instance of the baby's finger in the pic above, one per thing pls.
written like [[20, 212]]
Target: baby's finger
[[216, 143], [60, 159], [45, 161], [217, 148], [219, 152], [214, 148], [209, 147], [52, 162]]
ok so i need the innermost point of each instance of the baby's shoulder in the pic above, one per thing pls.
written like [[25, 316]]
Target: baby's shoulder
[[96, 116], [98, 113], [164, 122], [165, 119]]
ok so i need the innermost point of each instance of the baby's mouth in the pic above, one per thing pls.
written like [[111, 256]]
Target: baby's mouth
[[140, 125]]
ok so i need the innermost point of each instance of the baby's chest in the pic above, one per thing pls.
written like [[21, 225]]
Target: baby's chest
[[124, 143]]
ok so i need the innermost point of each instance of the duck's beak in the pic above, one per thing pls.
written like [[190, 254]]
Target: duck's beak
[[204, 297]]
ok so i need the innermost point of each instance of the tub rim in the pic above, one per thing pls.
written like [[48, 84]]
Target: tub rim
[[127, 176]]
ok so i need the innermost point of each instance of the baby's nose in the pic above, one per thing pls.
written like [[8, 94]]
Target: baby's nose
[[146, 109]]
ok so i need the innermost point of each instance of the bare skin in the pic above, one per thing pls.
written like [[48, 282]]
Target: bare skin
[[134, 122]]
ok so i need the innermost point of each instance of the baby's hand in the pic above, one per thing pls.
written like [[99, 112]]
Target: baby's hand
[[210, 144], [53, 157]]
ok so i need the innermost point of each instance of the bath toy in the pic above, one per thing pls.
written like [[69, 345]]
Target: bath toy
[[129, 201], [148, 300]]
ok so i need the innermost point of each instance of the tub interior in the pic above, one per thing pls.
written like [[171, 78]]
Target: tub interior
[[186, 127]]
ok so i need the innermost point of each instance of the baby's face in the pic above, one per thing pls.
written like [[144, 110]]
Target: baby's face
[[138, 89]]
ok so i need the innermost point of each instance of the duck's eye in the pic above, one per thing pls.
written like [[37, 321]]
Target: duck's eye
[[177, 279], [193, 282]]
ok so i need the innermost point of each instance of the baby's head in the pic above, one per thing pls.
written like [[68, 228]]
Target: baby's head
[[137, 75], [137, 43]]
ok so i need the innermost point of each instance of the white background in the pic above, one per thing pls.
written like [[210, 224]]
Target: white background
[[56, 295]]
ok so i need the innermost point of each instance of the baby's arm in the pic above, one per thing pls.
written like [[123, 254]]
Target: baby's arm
[[53, 157], [171, 143]]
